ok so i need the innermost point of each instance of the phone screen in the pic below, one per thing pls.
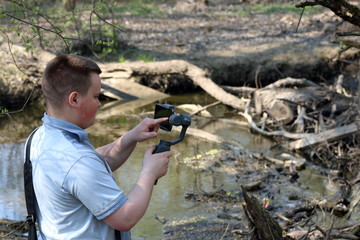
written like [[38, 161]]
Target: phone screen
[[164, 111]]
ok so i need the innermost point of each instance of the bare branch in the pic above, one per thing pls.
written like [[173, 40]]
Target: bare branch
[[102, 19], [40, 14], [17, 66], [42, 28], [346, 34], [12, 55], [341, 8], [302, 12]]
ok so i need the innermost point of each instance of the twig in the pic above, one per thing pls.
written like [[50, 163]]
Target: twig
[[346, 61], [90, 19], [257, 83], [346, 34], [204, 108], [11, 53], [328, 234], [41, 15], [112, 25], [163, 220], [349, 228], [320, 229], [297, 26], [227, 227], [32, 90], [11, 233], [102, 19], [43, 28], [355, 181], [284, 133]]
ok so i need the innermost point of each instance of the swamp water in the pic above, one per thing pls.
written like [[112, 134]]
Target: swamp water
[[168, 201]]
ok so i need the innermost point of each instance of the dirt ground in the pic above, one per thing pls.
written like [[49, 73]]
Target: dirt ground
[[241, 49]]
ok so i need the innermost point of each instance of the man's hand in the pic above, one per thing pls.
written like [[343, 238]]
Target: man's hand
[[155, 164], [146, 129]]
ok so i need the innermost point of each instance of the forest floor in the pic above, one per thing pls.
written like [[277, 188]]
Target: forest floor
[[240, 45]]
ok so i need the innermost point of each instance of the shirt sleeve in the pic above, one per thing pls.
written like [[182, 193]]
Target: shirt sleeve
[[89, 181]]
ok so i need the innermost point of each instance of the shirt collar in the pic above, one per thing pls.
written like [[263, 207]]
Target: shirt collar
[[66, 126]]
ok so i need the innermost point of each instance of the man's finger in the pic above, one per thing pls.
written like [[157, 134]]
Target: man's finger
[[160, 120]]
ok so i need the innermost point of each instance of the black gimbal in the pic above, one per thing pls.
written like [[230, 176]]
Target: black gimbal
[[167, 110]]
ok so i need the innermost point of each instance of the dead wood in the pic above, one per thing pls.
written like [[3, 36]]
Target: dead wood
[[194, 109], [265, 226], [282, 98], [326, 136], [184, 68], [282, 133], [246, 92], [355, 200]]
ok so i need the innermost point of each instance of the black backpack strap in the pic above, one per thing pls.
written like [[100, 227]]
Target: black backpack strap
[[117, 235], [29, 191]]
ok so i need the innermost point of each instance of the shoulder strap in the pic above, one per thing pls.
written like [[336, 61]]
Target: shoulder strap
[[29, 191], [30, 197], [117, 235]]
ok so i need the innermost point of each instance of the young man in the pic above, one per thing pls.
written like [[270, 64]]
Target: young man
[[77, 196]]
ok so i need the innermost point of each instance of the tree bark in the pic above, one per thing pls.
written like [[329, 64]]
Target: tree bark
[[265, 226], [341, 8]]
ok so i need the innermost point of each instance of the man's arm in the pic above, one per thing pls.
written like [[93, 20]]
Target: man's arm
[[117, 152], [154, 167]]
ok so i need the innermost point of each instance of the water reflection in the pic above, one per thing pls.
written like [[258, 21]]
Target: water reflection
[[12, 203]]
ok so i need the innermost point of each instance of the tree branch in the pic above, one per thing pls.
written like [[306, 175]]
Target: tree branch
[[32, 90], [341, 8]]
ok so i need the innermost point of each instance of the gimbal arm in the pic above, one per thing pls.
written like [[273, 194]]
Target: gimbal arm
[[176, 120]]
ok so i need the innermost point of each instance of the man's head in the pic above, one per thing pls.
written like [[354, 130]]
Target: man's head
[[71, 85], [64, 74]]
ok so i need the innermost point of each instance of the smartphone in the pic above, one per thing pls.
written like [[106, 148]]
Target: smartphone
[[164, 110]]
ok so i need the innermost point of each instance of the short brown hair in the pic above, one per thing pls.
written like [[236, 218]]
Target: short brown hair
[[65, 74]]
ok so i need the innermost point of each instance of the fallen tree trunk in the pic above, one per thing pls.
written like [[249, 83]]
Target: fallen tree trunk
[[326, 136], [196, 74]]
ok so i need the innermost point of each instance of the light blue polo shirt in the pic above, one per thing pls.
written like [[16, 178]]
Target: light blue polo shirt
[[74, 186]]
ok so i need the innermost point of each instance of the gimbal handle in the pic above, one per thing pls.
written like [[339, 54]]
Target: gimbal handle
[[163, 146], [177, 120]]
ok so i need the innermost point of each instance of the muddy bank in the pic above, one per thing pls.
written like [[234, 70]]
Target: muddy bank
[[297, 198]]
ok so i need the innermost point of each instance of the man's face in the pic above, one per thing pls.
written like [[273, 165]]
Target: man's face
[[89, 103]]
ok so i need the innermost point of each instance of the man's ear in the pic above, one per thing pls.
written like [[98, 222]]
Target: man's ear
[[73, 99]]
